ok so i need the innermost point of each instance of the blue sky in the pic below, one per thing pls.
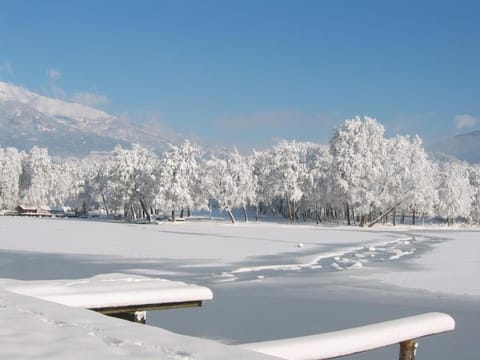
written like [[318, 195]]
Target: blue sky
[[248, 72]]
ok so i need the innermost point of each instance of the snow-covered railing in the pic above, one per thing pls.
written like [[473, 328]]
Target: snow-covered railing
[[330, 345]]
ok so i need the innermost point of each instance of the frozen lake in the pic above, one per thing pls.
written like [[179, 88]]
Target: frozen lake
[[266, 286]]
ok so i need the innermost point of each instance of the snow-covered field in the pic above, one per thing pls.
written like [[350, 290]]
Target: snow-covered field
[[269, 280]]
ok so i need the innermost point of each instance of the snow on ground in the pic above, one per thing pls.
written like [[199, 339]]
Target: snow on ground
[[341, 277], [453, 267], [37, 329], [209, 242]]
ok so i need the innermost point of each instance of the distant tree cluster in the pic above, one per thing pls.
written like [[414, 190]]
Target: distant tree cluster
[[362, 178]]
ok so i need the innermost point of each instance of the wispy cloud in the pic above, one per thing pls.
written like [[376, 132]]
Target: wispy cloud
[[466, 120], [6, 68], [90, 98], [54, 74]]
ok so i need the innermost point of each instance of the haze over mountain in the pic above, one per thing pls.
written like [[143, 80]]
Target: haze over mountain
[[464, 147], [66, 128]]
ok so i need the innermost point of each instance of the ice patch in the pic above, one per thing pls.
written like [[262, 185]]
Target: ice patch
[[356, 265], [336, 266]]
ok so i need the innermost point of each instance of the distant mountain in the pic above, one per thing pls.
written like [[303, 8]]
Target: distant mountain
[[28, 119], [464, 147]]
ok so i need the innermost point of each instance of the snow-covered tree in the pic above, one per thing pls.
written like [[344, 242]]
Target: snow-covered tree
[[229, 180], [133, 179], [10, 172], [241, 170], [455, 194], [407, 182], [358, 150], [83, 193], [263, 193], [36, 181], [180, 178], [317, 161], [362, 175], [287, 173], [475, 183]]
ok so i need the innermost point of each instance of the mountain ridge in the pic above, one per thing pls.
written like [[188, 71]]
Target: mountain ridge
[[464, 147], [67, 128]]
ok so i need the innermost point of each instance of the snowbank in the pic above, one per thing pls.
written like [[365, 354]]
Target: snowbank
[[37, 329]]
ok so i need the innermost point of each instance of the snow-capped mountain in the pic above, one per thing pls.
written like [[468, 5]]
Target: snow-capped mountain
[[464, 147], [67, 128]]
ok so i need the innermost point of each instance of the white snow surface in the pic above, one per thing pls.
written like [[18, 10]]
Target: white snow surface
[[55, 331], [37, 329], [109, 290], [208, 242], [448, 268], [453, 267]]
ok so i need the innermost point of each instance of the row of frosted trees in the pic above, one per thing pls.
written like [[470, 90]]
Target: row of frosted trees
[[362, 178]]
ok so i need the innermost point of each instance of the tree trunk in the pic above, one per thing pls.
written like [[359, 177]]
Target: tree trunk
[[256, 213], [347, 210], [413, 216], [378, 219], [293, 211], [105, 204], [181, 213], [230, 214], [317, 215], [290, 212], [173, 215], [189, 212], [145, 209], [245, 216], [363, 220], [394, 217], [132, 211]]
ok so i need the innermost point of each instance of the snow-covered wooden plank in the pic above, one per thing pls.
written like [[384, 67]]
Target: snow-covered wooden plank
[[110, 293], [354, 340]]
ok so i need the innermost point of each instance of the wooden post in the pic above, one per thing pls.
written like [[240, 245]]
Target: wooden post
[[134, 316], [408, 350]]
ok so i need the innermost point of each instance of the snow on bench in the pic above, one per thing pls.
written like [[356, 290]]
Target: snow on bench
[[114, 294], [350, 341]]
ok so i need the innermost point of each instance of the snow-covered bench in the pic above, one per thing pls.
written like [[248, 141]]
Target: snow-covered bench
[[403, 331], [119, 295]]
